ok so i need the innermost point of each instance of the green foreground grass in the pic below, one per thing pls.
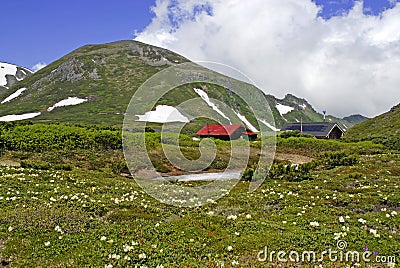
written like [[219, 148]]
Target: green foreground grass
[[89, 216], [86, 218]]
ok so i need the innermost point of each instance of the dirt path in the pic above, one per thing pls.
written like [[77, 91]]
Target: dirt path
[[9, 163], [293, 158]]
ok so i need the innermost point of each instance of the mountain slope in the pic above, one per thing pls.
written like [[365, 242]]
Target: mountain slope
[[95, 83], [384, 125], [105, 75], [355, 119]]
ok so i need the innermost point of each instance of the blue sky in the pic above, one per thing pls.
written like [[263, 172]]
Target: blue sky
[[338, 7], [44, 30]]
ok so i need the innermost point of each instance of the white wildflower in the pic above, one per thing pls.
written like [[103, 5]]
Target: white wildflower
[[361, 220], [374, 232], [115, 256], [232, 217], [314, 224], [127, 248]]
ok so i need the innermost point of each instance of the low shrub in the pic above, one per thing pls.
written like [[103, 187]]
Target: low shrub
[[334, 159], [42, 165], [294, 133], [35, 165]]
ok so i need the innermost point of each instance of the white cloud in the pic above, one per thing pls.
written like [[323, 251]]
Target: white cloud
[[348, 64], [38, 66]]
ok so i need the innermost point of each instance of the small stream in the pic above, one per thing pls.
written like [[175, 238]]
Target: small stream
[[228, 175]]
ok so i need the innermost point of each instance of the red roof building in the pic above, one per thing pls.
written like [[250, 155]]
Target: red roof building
[[225, 132]]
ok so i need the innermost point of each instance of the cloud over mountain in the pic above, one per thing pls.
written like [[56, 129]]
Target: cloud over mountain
[[347, 64]]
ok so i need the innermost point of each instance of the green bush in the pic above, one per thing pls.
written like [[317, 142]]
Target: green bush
[[41, 137], [36, 165], [292, 172], [283, 171], [334, 159], [247, 174], [390, 142], [218, 163], [119, 167], [294, 133], [42, 165], [66, 167]]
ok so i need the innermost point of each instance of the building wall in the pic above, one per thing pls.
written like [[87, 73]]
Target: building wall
[[238, 133], [336, 133]]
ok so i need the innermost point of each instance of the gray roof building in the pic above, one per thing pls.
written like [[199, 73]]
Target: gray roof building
[[321, 130]]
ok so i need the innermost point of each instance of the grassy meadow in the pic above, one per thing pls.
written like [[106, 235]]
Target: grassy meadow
[[67, 201]]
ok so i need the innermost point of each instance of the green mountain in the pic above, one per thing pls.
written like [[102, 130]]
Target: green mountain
[[383, 126], [355, 119], [105, 75], [94, 84]]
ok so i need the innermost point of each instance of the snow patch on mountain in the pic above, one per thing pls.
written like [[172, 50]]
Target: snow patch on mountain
[[246, 122], [6, 69], [17, 117], [283, 109], [14, 95], [205, 97], [269, 125], [163, 114], [67, 102]]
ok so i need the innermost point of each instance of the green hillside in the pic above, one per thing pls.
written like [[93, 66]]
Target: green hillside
[[107, 75], [384, 125]]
